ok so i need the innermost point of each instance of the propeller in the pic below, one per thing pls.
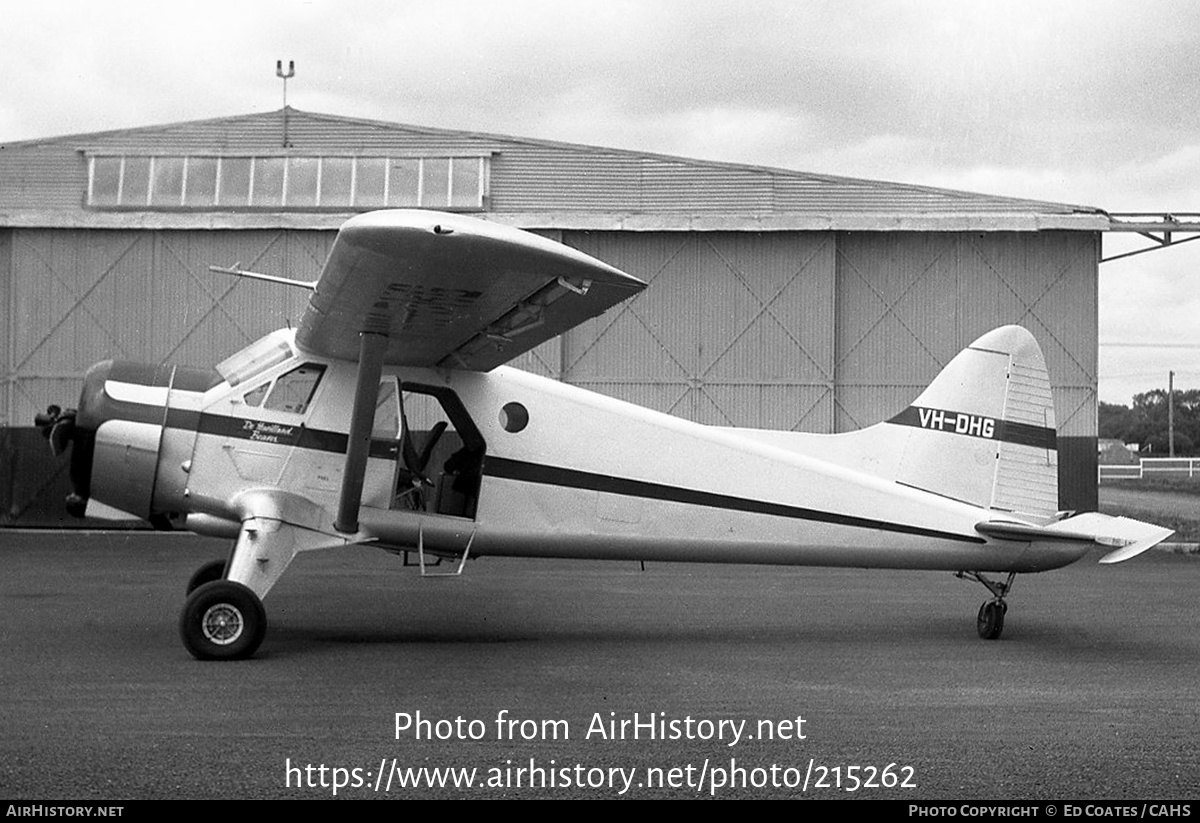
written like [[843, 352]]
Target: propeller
[[57, 426]]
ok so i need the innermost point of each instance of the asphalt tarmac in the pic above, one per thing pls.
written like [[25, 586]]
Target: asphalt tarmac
[[867, 680]]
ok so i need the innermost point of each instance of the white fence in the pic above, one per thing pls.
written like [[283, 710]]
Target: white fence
[[1153, 467]]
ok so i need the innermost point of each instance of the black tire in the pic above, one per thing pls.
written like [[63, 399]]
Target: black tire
[[990, 622], [206, 574], [222, 620]]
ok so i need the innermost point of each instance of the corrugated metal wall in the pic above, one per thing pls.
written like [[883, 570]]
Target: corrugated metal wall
[[42, 176], [908, 302], [735, 329], [7, 321], [79, 296], [527, 175], [532, 178]]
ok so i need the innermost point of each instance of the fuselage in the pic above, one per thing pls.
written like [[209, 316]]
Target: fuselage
[[523, 466]]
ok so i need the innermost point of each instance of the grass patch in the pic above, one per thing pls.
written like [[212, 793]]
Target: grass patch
[[1178, 485], [1187, 529], [1173, 512]]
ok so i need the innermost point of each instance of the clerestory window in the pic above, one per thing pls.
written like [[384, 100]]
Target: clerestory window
[[285, 182]]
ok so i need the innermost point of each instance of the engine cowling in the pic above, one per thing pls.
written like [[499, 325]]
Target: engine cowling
[[119, 436]]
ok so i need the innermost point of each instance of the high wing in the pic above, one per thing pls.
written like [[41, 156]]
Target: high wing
[[450, 290]]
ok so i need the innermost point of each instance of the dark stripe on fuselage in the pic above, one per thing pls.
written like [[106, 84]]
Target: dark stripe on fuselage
[[262, 431], [281, 434], [571, 478], [974, 425]]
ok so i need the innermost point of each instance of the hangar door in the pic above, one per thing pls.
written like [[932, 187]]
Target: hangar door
[[734, 330], [79, 296], [909, 301]]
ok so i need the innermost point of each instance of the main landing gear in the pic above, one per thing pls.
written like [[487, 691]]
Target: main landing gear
[[990, 621], [206, 574], [221, 620]]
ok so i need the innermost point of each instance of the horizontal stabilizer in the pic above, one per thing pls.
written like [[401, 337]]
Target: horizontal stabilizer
[[1129, 537]]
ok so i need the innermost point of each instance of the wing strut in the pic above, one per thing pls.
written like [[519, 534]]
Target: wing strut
[[371, 348]]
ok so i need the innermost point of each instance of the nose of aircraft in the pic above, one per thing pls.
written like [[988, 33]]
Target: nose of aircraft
[[76, 429], [117, 423], [117, 437]]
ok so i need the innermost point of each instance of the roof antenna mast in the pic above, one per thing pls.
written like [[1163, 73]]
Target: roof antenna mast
[[280, 73]]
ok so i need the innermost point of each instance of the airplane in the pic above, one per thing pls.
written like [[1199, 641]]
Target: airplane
[[387, 417]]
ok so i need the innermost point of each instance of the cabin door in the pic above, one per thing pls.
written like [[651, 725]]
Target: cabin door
[[441, 453]]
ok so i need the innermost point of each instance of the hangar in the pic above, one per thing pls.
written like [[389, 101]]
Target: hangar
[[779, 299]]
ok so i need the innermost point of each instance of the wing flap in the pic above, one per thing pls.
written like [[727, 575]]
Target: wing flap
[[452, 290], [1127, 536]]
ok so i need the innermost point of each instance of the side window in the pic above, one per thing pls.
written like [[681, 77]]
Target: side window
[[254, 397], [387, 412], [294, 390]]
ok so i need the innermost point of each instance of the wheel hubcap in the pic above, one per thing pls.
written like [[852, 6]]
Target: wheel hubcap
[[222, 624]]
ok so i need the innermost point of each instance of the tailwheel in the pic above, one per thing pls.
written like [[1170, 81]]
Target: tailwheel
[[222, 620], [990, 620], [206, 574]]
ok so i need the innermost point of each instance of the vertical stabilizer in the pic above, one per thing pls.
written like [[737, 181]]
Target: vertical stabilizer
[[983, 431]]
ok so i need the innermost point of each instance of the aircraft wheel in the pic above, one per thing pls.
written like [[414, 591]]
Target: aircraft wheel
[[206, 574], [222, 620], [991, 619]]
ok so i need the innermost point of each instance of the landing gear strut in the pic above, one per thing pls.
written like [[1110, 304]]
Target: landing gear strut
[[990, 621]]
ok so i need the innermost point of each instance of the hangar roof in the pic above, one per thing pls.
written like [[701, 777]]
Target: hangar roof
[[84, 180]]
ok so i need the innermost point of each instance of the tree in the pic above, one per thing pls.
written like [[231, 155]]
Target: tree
[[1115, 421], [1145, 422]]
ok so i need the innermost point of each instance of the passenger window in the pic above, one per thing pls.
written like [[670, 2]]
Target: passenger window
[[293, 391]]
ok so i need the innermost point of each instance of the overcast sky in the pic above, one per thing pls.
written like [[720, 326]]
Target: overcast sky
[[1086, 101]]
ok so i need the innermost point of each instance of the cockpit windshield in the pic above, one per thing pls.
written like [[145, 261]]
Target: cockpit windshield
[[256, 358]]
